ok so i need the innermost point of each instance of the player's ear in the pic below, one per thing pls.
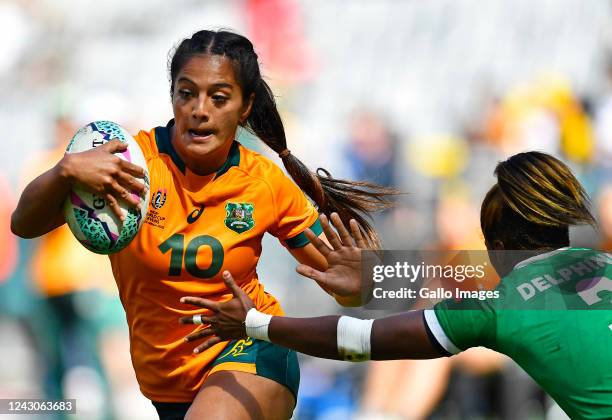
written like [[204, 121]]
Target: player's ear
[[502, 260], [247, 107]]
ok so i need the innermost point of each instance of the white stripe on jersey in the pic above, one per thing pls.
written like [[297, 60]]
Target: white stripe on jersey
[[438, 332], [539, 257]]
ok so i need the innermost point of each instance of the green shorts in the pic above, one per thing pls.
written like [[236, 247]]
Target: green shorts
[[260, 358]]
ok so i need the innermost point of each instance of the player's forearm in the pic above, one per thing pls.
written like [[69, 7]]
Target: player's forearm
[[402, 336], [40, 206], [313, 336], [397, 337]]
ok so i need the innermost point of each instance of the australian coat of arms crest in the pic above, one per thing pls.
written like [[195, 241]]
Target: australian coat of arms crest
[[239, 216]]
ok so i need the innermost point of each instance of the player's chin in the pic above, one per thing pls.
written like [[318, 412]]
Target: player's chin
[[202, 151]]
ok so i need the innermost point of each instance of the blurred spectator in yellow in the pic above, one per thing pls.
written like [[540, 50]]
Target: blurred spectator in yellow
[[441, 156], [542, 114], [519, 122], [576, 132]]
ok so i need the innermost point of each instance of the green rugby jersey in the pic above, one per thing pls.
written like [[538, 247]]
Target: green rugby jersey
[[553, 317]]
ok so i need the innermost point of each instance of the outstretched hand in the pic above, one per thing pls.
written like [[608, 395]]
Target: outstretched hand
[[343, 274], [227, 319]]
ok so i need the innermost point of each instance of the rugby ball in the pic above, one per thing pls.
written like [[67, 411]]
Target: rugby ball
[[88, 215]]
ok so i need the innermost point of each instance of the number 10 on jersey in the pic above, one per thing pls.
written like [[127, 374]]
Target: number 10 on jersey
[[179, 254]]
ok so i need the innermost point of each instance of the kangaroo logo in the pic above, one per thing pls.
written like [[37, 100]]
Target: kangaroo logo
[[238, 349]]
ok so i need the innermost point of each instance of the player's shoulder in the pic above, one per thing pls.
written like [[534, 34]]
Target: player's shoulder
[[146, 139], [552, 261], [258, 166]]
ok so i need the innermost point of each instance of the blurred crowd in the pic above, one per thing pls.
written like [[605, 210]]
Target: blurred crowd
[[425, 97]]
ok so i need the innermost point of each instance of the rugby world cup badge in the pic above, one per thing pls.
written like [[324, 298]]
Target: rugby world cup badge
[[158, 199], [239, 216]]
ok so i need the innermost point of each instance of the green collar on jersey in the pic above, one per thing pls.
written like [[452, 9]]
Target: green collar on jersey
[[164, 145]]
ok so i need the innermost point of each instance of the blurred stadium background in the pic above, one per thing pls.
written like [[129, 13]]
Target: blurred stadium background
[[423, 95]]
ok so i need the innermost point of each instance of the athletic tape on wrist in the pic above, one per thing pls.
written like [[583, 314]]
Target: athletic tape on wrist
[[353, 336], [257, 324]]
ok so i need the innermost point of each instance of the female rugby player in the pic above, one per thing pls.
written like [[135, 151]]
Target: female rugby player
[[212, 201], [553, 316]]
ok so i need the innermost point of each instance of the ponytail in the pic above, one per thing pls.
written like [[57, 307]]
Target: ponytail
[[351, 200]]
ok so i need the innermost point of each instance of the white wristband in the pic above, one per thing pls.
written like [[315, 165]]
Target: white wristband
[[257, 324], [353, 336]]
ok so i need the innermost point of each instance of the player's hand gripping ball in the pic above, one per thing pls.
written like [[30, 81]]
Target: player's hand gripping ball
[[89, 216]]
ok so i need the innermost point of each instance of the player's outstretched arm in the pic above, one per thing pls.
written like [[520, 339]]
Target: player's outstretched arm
[[401, 336], [40, 206]]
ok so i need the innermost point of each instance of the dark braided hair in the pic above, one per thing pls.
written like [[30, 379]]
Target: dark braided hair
[[535, 200]]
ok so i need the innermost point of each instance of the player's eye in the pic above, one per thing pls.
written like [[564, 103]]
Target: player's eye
[[219, 99], [185, 93]]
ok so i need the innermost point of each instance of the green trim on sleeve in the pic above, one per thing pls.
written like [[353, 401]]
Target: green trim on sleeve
[[300, 240]]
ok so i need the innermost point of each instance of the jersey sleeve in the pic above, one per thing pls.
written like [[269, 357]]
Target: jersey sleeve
[[455, 326], [293, 212]]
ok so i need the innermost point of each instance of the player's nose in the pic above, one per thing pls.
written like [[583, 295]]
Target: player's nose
[[200, 110]]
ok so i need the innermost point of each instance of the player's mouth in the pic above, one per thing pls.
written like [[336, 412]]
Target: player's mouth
[[200, 135]]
